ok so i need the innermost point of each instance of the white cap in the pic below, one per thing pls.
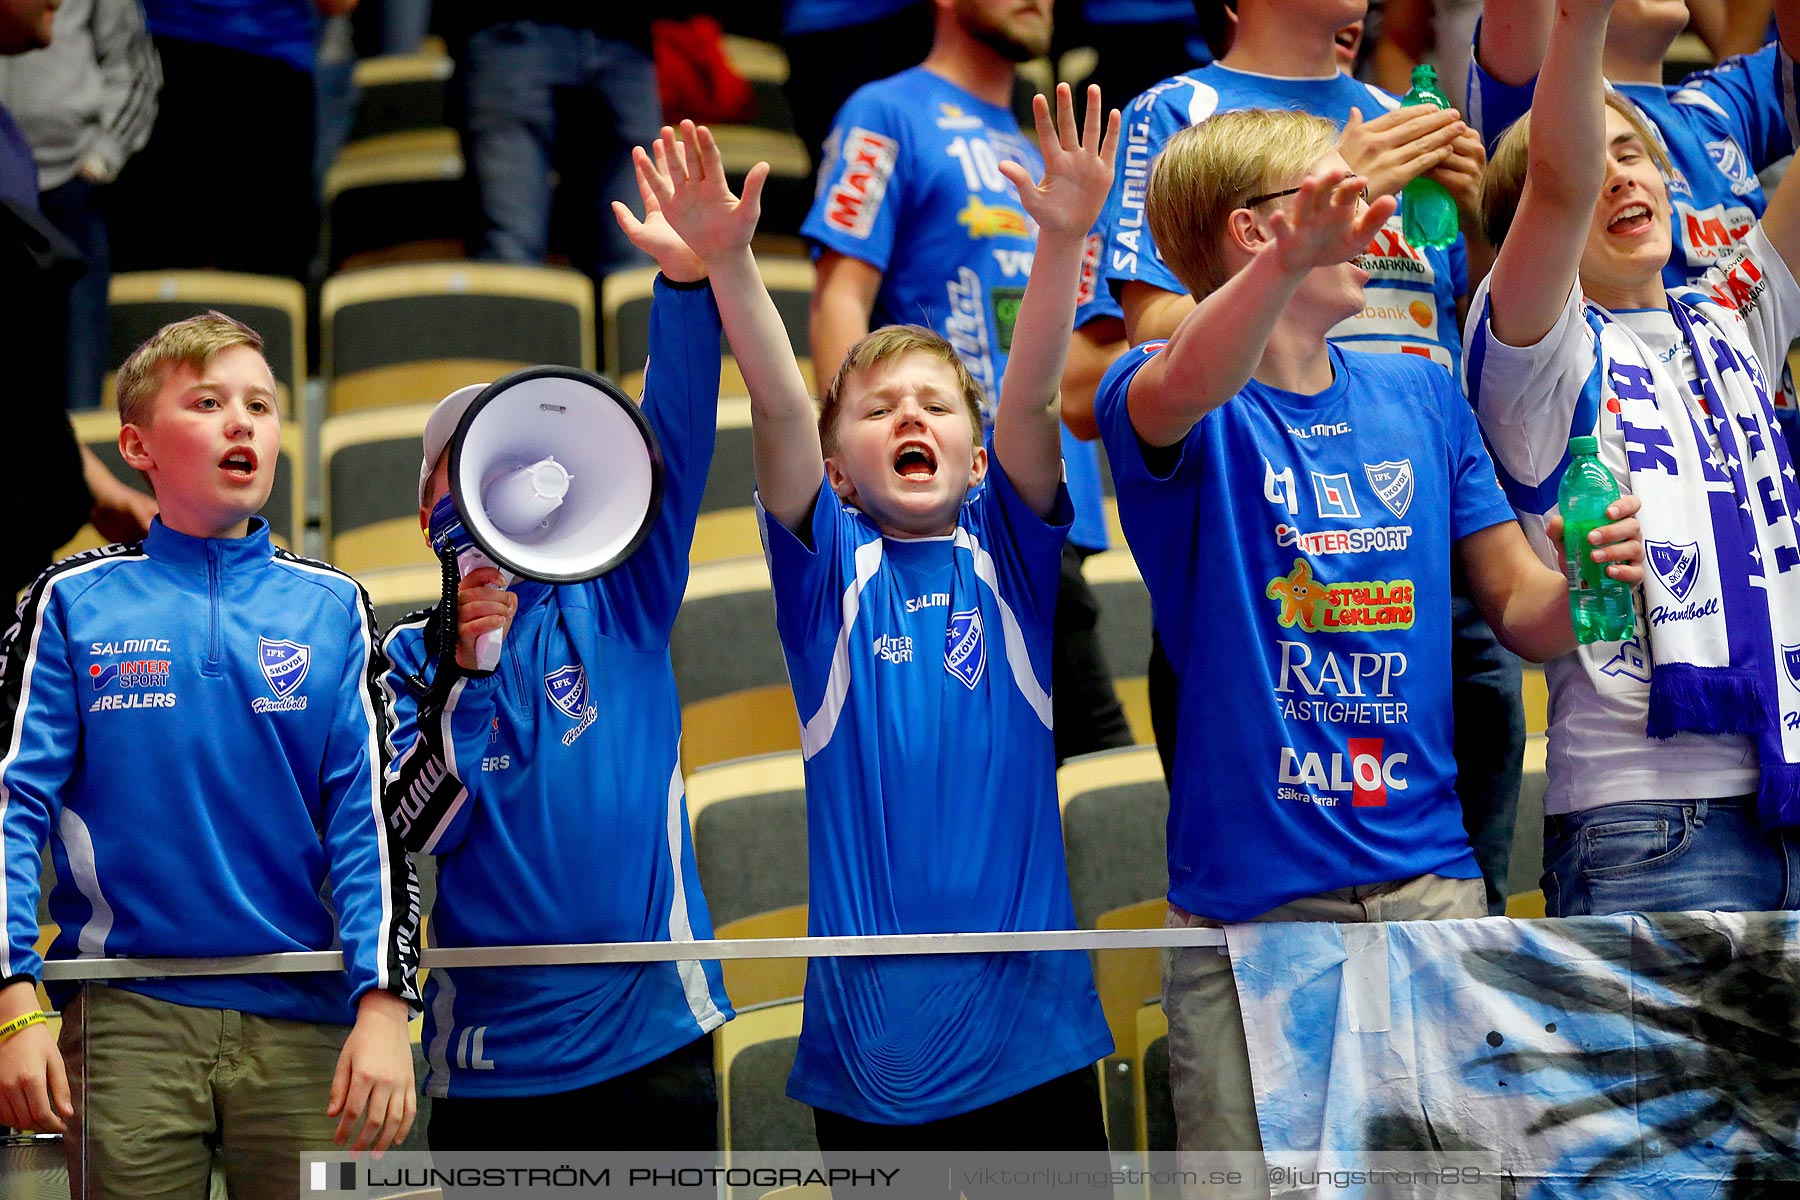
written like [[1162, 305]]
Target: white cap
[[440, 425]]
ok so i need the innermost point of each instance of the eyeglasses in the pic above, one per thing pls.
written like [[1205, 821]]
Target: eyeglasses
[[1253, 201]]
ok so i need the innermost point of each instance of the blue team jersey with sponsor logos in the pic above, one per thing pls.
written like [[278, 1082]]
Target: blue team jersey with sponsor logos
[[921, 672], [571, 825], [192, 724], [911, 185], [1720, 127], [1314, 534], [1409, 305]]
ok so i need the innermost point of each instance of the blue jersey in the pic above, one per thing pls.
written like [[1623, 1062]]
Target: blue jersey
[[1720, 127], [1314, 534], [192, 724], [911, 185], [1409, 304], [921, 672], [551, 790]]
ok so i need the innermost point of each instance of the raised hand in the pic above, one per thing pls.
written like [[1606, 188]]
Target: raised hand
[[1397, 147], [1078, 165], [1460, 173], [654, 235], [1328, 223], [687, 179]]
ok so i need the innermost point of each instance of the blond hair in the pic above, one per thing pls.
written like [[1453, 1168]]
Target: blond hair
[[1208, 170], [1503, 183], [191, 343], [883, 345]]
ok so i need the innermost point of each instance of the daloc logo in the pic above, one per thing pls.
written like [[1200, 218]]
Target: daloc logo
[[1393, 484], [284, 665], [1677, 564], [965, 653], [567, 688]]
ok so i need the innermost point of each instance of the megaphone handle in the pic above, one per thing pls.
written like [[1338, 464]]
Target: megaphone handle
[[487, 646]]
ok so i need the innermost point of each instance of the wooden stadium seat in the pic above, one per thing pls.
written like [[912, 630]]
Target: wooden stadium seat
[[399, 591], [98, 430], [369, 463], [1537, 699], [1126, 981], [751, 981], [401, 93], [416, 332], [1124, 630], [749, 822], [625, 319], [399, 196], [727, 527], [764, 66], [141, 302], [729, 669], [1115, 808], [752, 1057], [1155, 1108]]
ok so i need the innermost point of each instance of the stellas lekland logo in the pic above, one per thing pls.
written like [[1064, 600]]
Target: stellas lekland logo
[[965, 651], [1319, 607], [284, 665]]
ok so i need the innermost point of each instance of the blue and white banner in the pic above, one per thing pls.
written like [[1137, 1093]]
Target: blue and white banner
[[1598, 1056]]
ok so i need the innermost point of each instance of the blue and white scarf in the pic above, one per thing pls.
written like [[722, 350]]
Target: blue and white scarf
[[1722, 590]]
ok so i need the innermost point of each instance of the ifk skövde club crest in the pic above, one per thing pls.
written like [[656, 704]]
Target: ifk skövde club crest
[[284, 665]]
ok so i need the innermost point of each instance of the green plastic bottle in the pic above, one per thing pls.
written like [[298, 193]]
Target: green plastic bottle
[[1600, 606], [1427, 209]]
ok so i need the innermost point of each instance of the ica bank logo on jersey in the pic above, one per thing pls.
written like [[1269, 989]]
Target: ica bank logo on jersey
[[284, 666], [1677, 565], [867, 160], [965, 651], [1364, 769]]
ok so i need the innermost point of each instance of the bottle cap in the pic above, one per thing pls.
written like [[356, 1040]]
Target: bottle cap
[[1424, 75], [1584, 445]]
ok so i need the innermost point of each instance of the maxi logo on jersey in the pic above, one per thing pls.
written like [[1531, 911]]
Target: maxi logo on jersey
[[284, 666], [868, 162], [1365, 770], [1677, 565], [1709, 234], [1319, 607], [965, 650], [567, 687]]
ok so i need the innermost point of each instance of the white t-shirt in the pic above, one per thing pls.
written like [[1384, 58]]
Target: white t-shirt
[[1530, 401]]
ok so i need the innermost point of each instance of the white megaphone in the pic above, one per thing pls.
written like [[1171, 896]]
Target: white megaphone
[[555, 475]]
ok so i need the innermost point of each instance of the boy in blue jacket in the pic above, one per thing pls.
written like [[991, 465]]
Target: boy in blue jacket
[[193, 723], [550, 791]]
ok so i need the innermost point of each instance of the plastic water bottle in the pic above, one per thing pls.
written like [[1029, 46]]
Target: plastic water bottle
[[1427, 209], [1600, 606]]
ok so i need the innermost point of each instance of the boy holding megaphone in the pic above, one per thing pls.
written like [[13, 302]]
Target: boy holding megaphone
[[549, 788]]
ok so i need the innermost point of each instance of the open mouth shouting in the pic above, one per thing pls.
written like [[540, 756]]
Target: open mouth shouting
[[240, 462], [1630, 220], [915, 461]]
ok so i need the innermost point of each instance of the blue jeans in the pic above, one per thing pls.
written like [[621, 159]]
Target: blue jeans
[[1668, 856], [538, 98]]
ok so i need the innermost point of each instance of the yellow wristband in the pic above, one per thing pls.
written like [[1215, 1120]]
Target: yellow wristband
[[19, 1024]]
